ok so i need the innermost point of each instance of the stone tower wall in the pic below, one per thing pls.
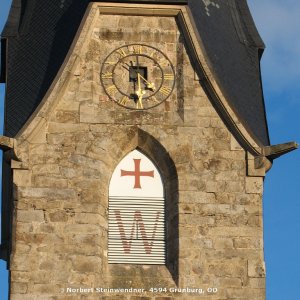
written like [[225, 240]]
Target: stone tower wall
[[214, 209]]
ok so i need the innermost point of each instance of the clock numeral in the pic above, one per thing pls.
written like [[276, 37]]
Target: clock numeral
[[165, 90], [154, 99], [124, 100], [164, 63], [168, 76], [111, 63], [137, 49], [153, 53], [122, 52], [107, 75], [111, 90]]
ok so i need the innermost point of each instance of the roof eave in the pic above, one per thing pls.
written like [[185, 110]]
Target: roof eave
[[3, 60], [177, 2], [13, 21]]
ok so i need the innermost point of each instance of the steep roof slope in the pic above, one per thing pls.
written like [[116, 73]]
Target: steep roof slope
[[234, 48], [37, 38], [39, 34]]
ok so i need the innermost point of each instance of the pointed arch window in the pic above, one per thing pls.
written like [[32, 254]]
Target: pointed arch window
[[136, 212]]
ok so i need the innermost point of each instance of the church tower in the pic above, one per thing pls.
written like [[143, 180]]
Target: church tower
[[135, 149]]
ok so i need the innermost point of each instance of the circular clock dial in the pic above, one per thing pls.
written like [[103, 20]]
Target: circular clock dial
[[137, 76]]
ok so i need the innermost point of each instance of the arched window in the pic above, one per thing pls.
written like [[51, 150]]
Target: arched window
[[136, 212]]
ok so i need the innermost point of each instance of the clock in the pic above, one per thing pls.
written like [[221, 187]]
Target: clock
[[137, 76]]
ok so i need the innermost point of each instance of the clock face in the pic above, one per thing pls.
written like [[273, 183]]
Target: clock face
[[137, 76]]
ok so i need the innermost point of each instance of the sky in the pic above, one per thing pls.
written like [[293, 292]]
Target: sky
[[278, 22]]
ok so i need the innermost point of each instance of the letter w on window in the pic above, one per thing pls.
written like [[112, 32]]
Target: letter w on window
[[137, 226]]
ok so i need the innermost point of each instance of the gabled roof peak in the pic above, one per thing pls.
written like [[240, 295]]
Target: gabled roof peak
[[227, 32]]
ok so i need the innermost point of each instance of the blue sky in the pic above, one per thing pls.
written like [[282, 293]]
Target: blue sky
[[279, 25]]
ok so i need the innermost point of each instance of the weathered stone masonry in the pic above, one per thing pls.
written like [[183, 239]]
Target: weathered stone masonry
[[61, 183]]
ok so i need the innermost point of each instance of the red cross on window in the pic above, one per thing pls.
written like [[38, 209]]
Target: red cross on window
[[137, 173]]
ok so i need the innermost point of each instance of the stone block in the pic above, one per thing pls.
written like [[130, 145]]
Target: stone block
[[200, 243], [46, 228], [248, 243], [46, 169], [46, 289], [91, 113], [67, 117], [15, 296], [256, 283], [229, 155], [216, 122], [256, 171], [41, 203], [248, 199], [254, 185], [70, 172], [86, 264], [22, 248], [55, 127], [42, 277], [47, 264], [90, 218], [68, 103], [87, 280], [87, 162], [217, 165], [59, 139], [225, 198], [19, 276], [230, 282], [22, 177], [186, 197], [204, 122], [223, 243], [256, 268], [233, 176], [28, 216], [187, 231], [228, 268], [58, 216], [244, 231], [215, 186], [49, 181], [84, 95], [221, 133], [235, 146], [245, 294], [234, 186], [193, 219], [82, 228], [18, 263], [86, 239], [47, 193], [191, 182], [238, 165], [221, 145]]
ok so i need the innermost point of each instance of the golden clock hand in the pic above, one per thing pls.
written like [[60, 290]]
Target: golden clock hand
[[139, 81], [150, 85], [144, 78], [140, 93], [139, 103]]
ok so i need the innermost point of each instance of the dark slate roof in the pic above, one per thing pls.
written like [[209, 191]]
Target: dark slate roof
[[38, 34], [234, 48]]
